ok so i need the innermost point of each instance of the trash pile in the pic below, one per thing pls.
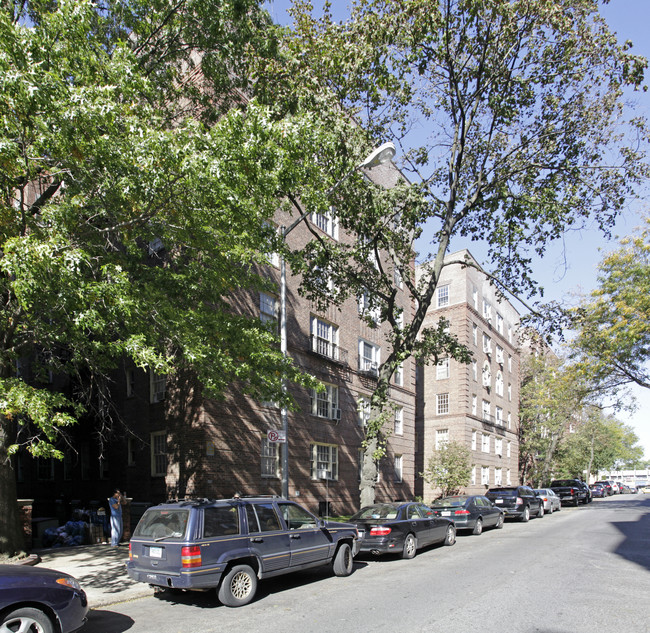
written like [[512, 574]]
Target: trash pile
[[72, 533]]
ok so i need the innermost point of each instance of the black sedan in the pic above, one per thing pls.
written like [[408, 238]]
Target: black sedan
[[469, 512], [35, 599], [402, 528]]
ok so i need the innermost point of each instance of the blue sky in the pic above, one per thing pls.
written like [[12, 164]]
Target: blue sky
[[570, 268]]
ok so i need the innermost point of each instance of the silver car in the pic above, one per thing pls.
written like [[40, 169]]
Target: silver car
[[550, 499]]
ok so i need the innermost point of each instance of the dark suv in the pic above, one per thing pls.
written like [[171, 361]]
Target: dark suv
[[229, 543], [517, 501]]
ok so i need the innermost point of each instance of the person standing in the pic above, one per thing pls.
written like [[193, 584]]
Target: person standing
[[115, 503]]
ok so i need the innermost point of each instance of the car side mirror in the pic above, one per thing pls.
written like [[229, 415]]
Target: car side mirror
[[321, 523]]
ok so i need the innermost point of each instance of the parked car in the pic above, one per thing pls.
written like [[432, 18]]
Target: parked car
[[401, 528], [469, 512], [517, 501], [40, 600], [598, 491], [571, 491], [229, 544], [550, 499], [645, 489], [606, 485]]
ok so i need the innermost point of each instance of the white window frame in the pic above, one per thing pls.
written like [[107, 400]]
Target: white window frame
[[365, 308], [474, 404], [442, 438], [324, 457], [398, 375], [398, 427], [499, 354], [363, 410], [442, 369], [485, 475], [442, 295], [485, 443], [486, 374], [369, 357], [509, 449], [442, 403], [475, 333], [498, 476], [324, 337], [325, 404], [473, 479], [268, 308], [487, 343], [498, 446], [474, 440], [499, 323], [269, 459], [498, 384], [508, 479], [486, 410], [157, 387], [327, 222], [475, 370], [498, 415], [487, 310]]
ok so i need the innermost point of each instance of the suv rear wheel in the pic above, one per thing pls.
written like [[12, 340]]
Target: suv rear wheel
[[238, 586], [525, 515]]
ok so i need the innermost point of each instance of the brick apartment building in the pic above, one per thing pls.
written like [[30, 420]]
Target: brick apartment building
[[175, 443], [476, 404]]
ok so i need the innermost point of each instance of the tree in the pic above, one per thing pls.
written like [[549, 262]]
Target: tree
[[613, 323], [135, 193], [512, 130], [449, 468]]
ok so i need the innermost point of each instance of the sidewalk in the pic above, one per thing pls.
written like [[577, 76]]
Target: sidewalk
[[101, 570]]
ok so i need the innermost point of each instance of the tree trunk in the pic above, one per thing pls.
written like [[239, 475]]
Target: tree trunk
[[11, 533], [368, 475]]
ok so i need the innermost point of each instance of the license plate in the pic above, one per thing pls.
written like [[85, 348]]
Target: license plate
[[155, 552], [446, 514], [361, 533], [498, 501]]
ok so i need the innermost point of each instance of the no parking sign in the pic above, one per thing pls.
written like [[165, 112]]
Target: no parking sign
[[276, 436]]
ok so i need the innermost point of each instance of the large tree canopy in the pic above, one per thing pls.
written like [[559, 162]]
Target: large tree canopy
[[613, 323], [511, 124], [136, 189]]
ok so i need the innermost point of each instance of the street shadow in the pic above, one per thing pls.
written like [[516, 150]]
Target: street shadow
[[265, 588], [103, 621], [636, 545]]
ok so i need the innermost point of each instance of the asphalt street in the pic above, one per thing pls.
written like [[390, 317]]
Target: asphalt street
[[582, 570]]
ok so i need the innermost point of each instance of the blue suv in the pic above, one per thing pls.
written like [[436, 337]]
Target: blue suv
[[229, 544]]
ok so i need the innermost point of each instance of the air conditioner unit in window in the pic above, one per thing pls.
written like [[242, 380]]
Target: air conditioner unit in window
[[336, 414]]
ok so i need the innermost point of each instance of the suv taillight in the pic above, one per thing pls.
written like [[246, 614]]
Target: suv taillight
[[519, 501], [380, 531], [191, 556]]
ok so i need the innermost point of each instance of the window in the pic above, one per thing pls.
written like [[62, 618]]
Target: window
[[157, 387], [474, 435], [398, 376], [475, 297], [159, 454], [486, 411], [130, 451], [498, 446], [499, 416], [45, 469], [474, 404], [327, 222], [262, 517], [508, 449], [442, 438], [324, 338], [399, 421], [499, 323], [367, 307], [325, 403], [443, 296], [485, 475], [473, 480], [487, 310], [508, 480], [487, 375], [442, 403], [442, 369], [363, 409], [498, 477], [130, 383], [509, 420], [487, 344], [485, 443], [369, 355], [498, 384], [273, 258], [509, 392], [398, 468], [397, 278], [220, 521], [475, 370], [499, 354], [475, 333], [509, 363], [399, 320], [510, 333], [324, 461], [270, 458], [268, 308]]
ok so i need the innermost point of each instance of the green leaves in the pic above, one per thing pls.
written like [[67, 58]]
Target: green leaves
[[449, 468]]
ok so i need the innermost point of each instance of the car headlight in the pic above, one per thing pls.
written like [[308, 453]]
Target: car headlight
[[69, 581]]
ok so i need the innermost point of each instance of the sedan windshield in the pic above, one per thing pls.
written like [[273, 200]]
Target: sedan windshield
[[449, 502], [380, 511]]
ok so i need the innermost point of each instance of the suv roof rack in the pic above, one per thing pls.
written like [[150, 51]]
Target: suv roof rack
[[258, 497]]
